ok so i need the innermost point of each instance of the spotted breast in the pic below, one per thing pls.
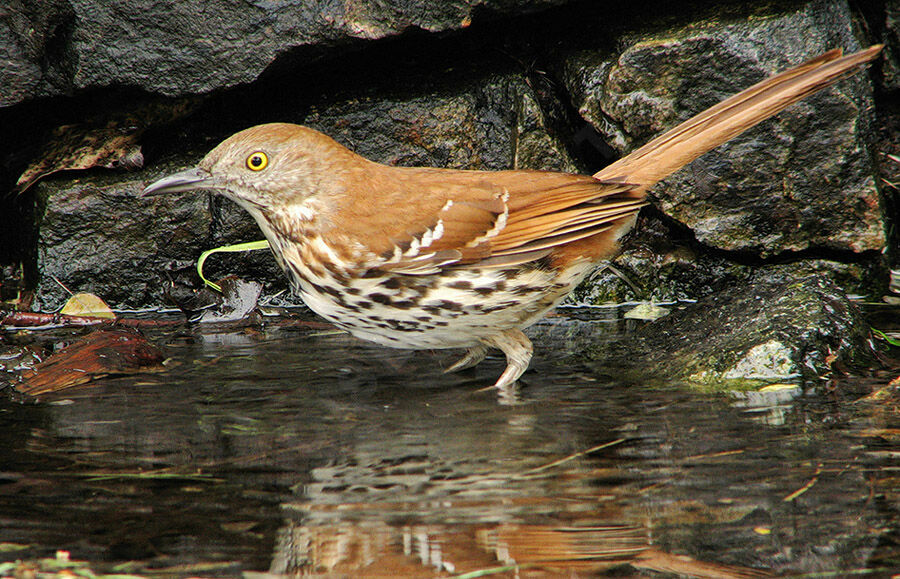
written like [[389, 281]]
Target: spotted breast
[[437, 258]]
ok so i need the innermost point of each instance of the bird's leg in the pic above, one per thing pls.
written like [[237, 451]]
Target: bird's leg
[[473, 356], [518, 349]]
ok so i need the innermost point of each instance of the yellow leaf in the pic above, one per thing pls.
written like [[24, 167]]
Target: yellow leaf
[[85, 304], [779, 387], [646, 311]]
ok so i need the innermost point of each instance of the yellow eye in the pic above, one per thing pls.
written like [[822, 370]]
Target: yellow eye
[[257, 161]]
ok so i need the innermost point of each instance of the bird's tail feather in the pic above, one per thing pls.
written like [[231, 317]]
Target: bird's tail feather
[[679, 146]]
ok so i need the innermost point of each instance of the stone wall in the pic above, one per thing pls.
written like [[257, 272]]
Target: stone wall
[[100, 98]]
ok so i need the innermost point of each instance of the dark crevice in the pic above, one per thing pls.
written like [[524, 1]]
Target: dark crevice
[[887, 107], [680, 234], [583, 142], [871, 17], [57, 62]]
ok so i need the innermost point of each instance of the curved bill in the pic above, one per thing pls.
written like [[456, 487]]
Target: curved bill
[[187, 180]]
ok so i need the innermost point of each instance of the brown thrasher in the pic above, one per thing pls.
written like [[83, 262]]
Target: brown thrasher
[[421, 258]]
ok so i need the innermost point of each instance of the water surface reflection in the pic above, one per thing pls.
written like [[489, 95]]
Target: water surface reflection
[[289, 450]]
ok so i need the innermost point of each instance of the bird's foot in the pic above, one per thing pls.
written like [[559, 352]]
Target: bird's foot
[[518, 349], [473, 356]]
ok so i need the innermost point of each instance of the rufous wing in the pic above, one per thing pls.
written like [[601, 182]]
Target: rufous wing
[[416, 221]]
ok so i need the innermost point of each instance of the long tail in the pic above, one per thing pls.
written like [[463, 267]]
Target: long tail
[[678, 147]]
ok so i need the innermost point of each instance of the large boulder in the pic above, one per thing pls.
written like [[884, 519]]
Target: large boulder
[[799, 188], [802, 181], [52, 47], [494, 123], [758, 332], [96, 235]]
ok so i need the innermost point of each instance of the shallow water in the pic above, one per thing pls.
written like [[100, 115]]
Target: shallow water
[[293, 450]]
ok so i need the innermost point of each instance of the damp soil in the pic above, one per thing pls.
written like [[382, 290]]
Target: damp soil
[[288, 449]]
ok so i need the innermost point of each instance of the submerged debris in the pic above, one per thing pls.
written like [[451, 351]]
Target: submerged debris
[[93, 356]]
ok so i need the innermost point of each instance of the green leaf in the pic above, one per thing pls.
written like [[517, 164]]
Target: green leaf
[[249, 246], [892, 341]]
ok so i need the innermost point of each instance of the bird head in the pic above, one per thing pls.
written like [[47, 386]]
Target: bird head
[[266, 167]]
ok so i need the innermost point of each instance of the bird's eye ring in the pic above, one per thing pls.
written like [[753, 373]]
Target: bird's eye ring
[[257, 161]]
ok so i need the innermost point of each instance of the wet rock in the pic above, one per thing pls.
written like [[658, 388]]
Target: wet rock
[[757, 332], [681, 274], [803, 180], [54, 46], [658, 265], [491, 123], [97, 235], [891, 67], [661, 264], [236, 301], [33, 55]]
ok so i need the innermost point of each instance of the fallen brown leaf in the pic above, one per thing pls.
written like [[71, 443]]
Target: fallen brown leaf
[[93, 356], [111, 142]]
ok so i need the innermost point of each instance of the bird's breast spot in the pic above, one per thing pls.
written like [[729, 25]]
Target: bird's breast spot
[[318, 248]]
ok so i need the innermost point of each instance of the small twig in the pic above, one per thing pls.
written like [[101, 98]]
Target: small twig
[[12, 320], [62, 285], [493, 571], [805, 487], [714, 454], [847, 573], [572, 457]]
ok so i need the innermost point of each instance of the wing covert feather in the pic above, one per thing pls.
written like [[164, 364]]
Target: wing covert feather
[[494, 219]]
